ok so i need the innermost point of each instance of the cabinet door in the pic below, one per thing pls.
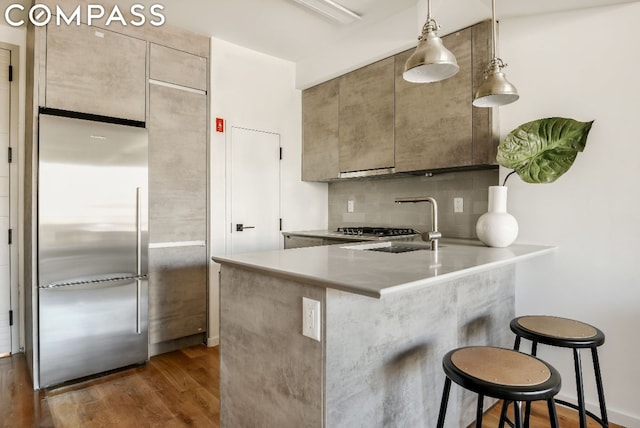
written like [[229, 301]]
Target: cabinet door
[[293, 241], [177, 292], [177, 165], [320, 132], [486, 135], [96, 71], [366, 117], [433, 121], [177, 67]]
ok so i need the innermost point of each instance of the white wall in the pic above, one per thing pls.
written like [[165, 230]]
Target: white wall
[[257, 91], [583, 65]]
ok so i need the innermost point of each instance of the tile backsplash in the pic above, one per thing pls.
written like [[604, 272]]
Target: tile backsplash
[[373, 202]]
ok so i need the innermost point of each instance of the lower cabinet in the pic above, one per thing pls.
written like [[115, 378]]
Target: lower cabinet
[[298, 241], [177, 292], [293, 241]]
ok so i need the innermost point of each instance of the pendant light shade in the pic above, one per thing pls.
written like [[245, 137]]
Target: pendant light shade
[[496, 90], [431, 62]]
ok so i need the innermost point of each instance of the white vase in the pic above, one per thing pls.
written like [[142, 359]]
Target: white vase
[[496, 227]]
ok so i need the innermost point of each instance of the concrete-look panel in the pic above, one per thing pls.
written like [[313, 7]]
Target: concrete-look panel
[[384, 357], [270, 374], [177, 292]]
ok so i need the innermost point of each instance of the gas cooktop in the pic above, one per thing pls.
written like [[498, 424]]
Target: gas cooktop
[[377, 231]]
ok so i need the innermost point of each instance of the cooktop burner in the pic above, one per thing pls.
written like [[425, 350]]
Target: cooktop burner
[[376, 231]]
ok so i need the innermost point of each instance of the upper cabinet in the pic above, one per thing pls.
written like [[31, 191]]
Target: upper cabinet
[[112, 83], [433, 121], [320, 132], [366, 118], [436, 125], [177, 67], [388, 125]]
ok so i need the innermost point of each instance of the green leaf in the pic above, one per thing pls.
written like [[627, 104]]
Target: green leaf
[[543, 150]]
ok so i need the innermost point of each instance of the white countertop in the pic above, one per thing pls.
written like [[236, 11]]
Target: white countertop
[[375, 274]]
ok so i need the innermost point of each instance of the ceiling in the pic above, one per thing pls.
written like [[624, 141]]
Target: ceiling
[[320, 48], [285, 29]]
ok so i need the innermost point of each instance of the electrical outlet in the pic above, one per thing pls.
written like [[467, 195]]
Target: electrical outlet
[[311, 318], [458, 205], [350, 206]]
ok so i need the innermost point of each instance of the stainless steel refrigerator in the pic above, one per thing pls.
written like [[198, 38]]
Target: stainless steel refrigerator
[[92, 247]]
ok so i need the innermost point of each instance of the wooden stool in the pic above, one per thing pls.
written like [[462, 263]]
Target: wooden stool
[[500, 373], [565, 333]]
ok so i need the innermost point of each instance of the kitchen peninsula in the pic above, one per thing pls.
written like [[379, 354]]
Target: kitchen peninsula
[[386, 320]]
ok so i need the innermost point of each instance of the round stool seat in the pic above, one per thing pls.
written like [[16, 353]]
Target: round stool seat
[[557, 331], [502, 373]]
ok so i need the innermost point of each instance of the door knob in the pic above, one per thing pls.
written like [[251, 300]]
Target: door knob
[[240, 227]]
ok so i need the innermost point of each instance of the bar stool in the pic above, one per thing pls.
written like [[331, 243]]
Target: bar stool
[[500, 373], [565, 333]]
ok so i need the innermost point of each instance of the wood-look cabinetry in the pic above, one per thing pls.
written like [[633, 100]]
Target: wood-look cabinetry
[[158, 77], [320, 132], [366, 117], [177, 67], [291, 240], [177, 292], [177, 195], [96, 71], [177, 165], [385, 122], [436, 126]]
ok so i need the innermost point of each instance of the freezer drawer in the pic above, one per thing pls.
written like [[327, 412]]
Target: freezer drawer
[[91, 328]]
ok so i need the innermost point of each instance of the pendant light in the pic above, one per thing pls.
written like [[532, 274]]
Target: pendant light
[[495, 90], [431, 62]]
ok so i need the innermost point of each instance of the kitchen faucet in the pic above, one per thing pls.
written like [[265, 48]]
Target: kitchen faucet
[[433, 235]]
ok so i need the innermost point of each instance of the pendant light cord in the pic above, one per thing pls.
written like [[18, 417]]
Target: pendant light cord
[[430, 25], [494, 37]]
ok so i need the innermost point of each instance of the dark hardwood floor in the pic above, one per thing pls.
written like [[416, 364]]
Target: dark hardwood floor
[[567, 418], [178, 389], [172, 390]]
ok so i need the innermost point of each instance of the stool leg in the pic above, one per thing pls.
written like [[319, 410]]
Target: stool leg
[[479, 411], [503, 413], [596, 368], [444, 402], [527, 412], [553, 415], [517, 414], [580, 388], [527, 408], [516, 344]]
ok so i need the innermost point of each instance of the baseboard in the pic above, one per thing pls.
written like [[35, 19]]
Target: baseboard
[[176, 344], [617, 417], [213, 341]]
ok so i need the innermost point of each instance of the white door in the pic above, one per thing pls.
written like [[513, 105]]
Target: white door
[[5, 252], [253, 191]]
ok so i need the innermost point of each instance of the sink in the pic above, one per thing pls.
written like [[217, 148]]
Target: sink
[[389, 247], [396, 249]]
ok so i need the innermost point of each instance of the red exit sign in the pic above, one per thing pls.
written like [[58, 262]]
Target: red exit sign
[[219, 124]]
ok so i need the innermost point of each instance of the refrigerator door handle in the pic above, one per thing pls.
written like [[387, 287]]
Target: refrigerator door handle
[[138, 231], [138, 257], [94, 281], [138, 307]]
